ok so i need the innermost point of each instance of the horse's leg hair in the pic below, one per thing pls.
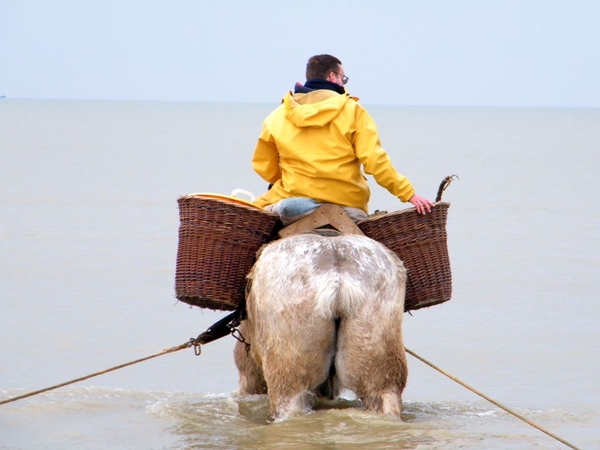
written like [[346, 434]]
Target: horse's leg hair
[[378, 376], [295, 347]]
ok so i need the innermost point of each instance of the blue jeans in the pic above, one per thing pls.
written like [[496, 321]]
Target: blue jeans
[[295, 208]]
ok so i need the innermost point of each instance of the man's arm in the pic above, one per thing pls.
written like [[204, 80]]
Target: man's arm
[[375, 160], [377, 163]]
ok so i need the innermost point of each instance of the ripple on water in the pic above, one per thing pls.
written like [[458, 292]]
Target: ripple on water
[[188, 420], [243, 422]]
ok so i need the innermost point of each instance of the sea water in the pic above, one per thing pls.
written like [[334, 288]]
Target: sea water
[[88, 240]]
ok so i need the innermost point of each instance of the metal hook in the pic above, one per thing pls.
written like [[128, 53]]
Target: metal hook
[[197, 347]]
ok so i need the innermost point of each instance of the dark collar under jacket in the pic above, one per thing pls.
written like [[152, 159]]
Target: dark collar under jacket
[[318, 83]]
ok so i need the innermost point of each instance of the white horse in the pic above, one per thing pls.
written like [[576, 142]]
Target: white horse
[[324, 313]]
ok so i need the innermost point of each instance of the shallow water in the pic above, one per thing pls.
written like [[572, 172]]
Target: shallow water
[[117, 418], [88, 236]]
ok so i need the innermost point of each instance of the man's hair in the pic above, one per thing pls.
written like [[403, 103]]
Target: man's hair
[[320, 66]]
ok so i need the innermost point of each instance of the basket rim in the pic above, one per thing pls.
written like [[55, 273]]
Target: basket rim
[[225, 198], [221, 201], [400, 212]]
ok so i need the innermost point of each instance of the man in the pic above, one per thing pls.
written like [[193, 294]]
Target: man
[[313, 145]]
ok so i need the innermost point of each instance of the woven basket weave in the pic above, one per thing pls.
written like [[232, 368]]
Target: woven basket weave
[[420, 242], [218, 241]]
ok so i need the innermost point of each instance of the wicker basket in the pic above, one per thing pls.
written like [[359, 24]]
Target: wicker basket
[[420, 242], [218, 241]]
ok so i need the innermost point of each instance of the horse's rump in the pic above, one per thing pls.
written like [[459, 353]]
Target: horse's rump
[[303, 287]]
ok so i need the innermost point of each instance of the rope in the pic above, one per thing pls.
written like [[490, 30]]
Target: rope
[[188, 344], [225, 326], [499, 405]]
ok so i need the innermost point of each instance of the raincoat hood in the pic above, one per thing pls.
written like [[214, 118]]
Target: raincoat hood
[[314, 109]]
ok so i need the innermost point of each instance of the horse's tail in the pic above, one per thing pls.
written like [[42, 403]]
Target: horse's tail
[[339, 298]]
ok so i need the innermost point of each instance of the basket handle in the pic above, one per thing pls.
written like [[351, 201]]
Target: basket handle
[[236, 192], [444, 184]]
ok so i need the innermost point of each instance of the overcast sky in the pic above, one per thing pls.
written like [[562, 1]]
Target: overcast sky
[[420, 52]]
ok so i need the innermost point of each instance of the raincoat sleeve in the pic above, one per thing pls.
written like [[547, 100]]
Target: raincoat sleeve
[[375, 160], [265, 160]]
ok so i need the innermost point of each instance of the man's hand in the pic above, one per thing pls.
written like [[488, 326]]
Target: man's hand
[[422, 205]]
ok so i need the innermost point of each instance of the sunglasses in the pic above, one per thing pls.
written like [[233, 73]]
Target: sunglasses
[[344, 77]]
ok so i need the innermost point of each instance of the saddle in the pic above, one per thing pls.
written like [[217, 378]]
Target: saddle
[[327, 218]]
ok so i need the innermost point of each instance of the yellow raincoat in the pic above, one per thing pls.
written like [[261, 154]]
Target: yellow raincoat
[[313, 146]]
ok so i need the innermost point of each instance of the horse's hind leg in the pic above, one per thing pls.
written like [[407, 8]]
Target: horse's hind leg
[[295, 348], [371, 360]]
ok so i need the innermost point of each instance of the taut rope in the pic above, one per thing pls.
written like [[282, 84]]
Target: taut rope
[[225, 326], [499, 405], [95, 374]]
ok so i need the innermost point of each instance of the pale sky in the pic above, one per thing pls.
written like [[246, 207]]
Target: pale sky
[[541, 53]]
